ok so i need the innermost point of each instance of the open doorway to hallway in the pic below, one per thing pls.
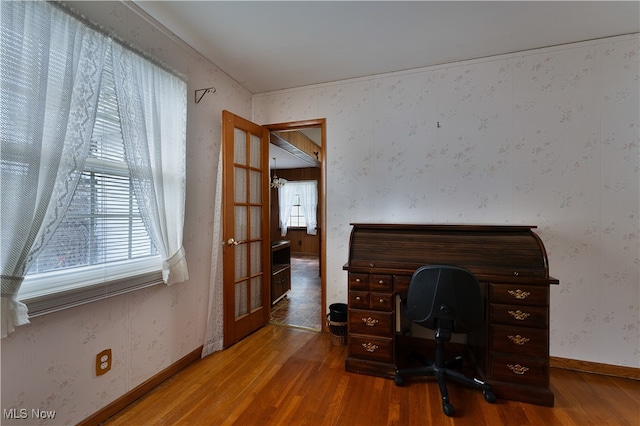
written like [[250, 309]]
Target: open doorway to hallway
[[301, 307], [296, 155]]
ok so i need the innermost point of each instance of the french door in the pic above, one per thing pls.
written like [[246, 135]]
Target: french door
[[245, 222]]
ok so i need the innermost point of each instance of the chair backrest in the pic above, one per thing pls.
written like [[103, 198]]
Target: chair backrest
[[445, 292]]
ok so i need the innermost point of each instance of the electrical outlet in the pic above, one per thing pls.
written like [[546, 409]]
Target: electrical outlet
[[103, 362]]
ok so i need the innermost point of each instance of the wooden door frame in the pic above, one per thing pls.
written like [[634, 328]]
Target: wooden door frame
[[297, 125]]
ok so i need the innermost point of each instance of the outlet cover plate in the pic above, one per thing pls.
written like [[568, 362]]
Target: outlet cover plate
[[103, 362]]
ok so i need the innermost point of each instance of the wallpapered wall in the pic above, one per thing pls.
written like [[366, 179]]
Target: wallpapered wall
[[49, 364], [546, 137]]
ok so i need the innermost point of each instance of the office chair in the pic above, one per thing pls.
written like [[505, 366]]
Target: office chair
[[446, 299]]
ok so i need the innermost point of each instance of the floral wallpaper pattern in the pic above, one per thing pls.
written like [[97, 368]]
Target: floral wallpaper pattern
[[547, 137]]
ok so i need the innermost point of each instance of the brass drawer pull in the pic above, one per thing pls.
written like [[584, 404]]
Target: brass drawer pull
[[518, 339], [369, 322], [369, 347], [519, 315], [519, 294], [381, 282], [381, 300], [358, 298], [357, 280], [518, 369]]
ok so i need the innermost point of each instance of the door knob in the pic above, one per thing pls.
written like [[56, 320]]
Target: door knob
[[232, 242]]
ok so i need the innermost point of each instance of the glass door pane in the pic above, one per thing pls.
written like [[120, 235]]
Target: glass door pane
[[248, 204]]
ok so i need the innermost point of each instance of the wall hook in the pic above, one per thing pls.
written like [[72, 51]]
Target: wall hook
[[204, 92]]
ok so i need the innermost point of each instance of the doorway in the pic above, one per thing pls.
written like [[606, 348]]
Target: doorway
[[247, 255], [296, 153]]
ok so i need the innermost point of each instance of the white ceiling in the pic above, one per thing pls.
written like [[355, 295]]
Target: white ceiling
[[273, 45], [268, 45]]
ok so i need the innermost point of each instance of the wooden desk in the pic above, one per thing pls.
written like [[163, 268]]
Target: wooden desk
[[511, 352]]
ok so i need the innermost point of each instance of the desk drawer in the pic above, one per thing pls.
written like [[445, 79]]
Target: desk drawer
[[381, 282], [520, 370], [371, 348], [358, 281], [375, 301], [370, 322], [359, 299], [519, 294], [381, 301], [520, 341], [527, 316]]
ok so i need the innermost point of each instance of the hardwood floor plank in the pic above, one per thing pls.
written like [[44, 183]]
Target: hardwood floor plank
[[334, 406], [288, 376], [577, 397]]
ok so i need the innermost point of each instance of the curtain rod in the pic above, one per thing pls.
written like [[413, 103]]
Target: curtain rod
[[68, 9]]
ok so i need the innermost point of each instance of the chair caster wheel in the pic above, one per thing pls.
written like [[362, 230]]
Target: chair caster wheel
[[448, 409], [399, 380], [489, 396]]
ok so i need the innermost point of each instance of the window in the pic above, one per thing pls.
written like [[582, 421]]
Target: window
[[298, 202], [93, 164], [102, 224], [102, 236], [296, 219]]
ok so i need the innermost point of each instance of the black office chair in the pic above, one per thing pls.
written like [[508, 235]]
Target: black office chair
[[446, 299]]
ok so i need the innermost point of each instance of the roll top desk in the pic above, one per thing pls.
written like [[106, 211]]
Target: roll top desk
[[511, 352]]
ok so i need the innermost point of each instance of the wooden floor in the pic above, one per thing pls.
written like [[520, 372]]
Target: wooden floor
[[289, 376]]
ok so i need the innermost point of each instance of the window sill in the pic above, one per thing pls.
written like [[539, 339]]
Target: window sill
[[42, 304]]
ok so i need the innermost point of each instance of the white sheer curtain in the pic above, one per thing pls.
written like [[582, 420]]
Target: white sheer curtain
[[307, 190], [153, 107], [214, 333], [286, 195], [48, 101]]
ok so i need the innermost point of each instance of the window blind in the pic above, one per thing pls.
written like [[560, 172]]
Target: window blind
[[103, 223], [102, 236]]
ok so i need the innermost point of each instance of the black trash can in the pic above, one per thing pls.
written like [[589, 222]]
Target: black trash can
[[338, 312], [337, 320]]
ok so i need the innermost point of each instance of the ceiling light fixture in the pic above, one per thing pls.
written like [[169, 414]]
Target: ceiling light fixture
[[276, 182]]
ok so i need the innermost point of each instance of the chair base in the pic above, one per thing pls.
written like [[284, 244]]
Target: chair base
[[443, 371]]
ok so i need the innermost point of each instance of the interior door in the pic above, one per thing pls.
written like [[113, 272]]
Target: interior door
[[245, 222]]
